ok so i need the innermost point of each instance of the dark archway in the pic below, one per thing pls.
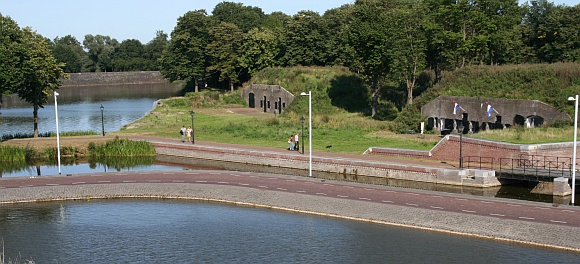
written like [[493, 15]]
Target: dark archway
[[535, 121], [279, 105], [519, 120], [265, 100], [252, 100]]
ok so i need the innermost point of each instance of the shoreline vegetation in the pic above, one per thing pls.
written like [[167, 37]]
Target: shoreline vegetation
[[83, 149]]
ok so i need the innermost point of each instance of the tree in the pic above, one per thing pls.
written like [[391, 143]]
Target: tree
[[368, 37], [334, 30], [259, 50], [223, 51], [407, 46], [11, 59], [552, 32], [302, 40], [41, 72], [185, 57], [100, 50], [154, 49], [244, 17], [130, 56], [68, 50]]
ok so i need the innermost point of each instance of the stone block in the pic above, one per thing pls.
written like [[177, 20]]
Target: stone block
[[561, 187]]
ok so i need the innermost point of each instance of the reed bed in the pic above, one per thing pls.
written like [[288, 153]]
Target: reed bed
[[122, 147]]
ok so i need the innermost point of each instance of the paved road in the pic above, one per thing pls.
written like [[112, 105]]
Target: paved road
[[490, 207]]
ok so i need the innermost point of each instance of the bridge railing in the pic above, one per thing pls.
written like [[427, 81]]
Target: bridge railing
[[540, 166], [478, 162], [533, 165]]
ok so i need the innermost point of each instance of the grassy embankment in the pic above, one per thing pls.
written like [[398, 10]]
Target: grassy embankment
[[216, 119], [339, 118], [549, 83]]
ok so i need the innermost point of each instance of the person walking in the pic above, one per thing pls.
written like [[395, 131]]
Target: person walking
[[189, 132], [182, 131], [296, 142]]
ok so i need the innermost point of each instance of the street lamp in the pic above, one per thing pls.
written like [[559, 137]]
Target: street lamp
[[102, 119], [57, 134], [460, 130], [302, 121], [574, 145], [192, 128], [309, 130]]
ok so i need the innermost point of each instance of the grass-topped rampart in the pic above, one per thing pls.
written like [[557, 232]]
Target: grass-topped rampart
[[341, 122], [549, 83]]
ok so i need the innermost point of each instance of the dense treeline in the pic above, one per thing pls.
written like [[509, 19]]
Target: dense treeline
[[390, 44]]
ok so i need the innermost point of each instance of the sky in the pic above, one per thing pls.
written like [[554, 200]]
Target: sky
[[138, 19]]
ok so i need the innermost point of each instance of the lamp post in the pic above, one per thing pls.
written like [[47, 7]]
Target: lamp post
[[192, 128], [302, 121], [57, 134], [309, 130], [574, 145], [102, 119], [460, 130]]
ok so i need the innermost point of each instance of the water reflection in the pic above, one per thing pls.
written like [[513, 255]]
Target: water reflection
[[158, 231], [92, 165], [79, 108]]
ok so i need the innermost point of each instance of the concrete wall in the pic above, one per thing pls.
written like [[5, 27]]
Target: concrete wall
[[268, 98], [473, 113], [352, 170]]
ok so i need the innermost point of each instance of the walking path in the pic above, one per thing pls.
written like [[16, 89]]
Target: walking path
[[532, 223]]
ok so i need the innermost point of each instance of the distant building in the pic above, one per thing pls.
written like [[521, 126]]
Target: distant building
[[446, 113], [268, 98]]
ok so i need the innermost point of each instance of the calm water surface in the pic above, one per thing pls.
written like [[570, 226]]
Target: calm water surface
[[158, 231], [79, 108]]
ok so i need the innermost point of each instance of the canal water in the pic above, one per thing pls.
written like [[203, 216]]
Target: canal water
[[172, 231], [123, 231], [79, 108]]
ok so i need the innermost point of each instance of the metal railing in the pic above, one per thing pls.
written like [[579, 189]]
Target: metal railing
[[536, 166], [478, 162]]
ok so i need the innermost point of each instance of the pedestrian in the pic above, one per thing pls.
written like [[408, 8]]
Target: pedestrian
[[296, 142], [291, 142], [189, 132], [182, 131]]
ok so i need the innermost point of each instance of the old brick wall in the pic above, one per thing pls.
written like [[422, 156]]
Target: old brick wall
[[109, 78], [448, 150]]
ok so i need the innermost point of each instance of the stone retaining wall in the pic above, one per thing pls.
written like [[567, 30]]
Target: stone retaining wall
[[354, 170], [110, 78]]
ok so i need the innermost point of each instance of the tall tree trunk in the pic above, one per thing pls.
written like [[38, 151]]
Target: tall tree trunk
[[231, 86], [375, 88], [411, 84], [35, 115]]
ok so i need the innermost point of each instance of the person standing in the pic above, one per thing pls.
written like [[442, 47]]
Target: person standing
[[291, 142], [182, 131], [296, 142], [189, 131]]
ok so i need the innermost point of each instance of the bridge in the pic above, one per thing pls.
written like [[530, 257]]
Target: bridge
[[534, 168]]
